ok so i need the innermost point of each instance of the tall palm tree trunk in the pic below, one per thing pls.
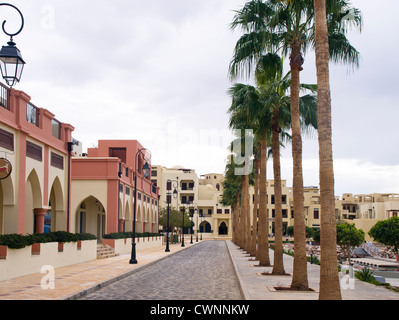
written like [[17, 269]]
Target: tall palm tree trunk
[[278, 264], [300, 276], [263, 245], [329, 279], [237, 220], [255, 210], [243, 216], [247, 230]]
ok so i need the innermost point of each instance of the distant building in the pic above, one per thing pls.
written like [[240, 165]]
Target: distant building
[[202, 196], [365, 210], [103, 190]]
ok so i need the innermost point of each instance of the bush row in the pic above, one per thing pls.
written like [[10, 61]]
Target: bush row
[[18, 241], [125, 235]]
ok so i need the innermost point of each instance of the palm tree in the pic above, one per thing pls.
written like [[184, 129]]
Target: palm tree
[[329, 279], [288, 26], [231, 196], [245, 98], [273, 88]]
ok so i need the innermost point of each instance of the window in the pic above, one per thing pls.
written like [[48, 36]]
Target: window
[[6, 140], [32, 114], [56, 128], [284, 199], [227, 211], [118, 153], [219, 211], [57, 161], [33, 151], [316, 213]]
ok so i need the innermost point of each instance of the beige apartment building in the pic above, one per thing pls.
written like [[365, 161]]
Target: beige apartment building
[[311, 204], [202, 194], [365, 210]]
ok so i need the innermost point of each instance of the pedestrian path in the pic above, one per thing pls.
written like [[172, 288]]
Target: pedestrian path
[[262, 287], [74, 281]]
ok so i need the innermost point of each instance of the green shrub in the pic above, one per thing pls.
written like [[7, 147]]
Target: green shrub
[[13, 241], [18, 241], [365, 275]]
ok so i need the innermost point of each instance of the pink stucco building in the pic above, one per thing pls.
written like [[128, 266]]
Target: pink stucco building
[[35, 146], [103, 190]]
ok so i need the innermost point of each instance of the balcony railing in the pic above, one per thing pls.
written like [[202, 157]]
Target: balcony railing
[[4, 94]]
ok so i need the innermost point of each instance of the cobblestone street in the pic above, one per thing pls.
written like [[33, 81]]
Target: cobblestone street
[[203, 272]]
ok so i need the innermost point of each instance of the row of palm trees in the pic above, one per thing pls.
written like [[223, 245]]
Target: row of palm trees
[[277, 112]]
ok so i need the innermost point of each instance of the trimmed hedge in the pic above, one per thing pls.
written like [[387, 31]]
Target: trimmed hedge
[[18, 241], [125, 235]]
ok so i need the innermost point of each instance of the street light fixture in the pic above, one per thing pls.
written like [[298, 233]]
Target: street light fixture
[[11, 62], [146, 170], [168, 200]]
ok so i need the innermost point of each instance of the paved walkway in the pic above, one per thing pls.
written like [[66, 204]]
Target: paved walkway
[[204, 272], [75, 281]]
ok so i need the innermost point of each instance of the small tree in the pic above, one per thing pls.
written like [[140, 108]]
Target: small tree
[[175, 219], [348, 238], [387, 232]]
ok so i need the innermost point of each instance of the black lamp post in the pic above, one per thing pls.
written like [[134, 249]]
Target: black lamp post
[[201, 215], [168, 200], [146, 173], [11, 62], [191, 226], [182, 238]]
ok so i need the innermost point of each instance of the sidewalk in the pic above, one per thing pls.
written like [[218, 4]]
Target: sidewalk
[[73, 281], [255, 286]]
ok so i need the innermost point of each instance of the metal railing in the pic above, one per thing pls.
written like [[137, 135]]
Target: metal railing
[[4, 94]]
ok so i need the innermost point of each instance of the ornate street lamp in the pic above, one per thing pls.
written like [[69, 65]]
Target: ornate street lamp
[[192, 218], [168, 200], [11, 62], [146, 170]]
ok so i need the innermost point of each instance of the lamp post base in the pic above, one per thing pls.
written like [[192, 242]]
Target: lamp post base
[[133, 259]]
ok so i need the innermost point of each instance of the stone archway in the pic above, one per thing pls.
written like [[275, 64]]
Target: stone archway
[[91, 217], [55, 217], [128, 218], [8, 211], [205, 227], [33, 200], [223, 229]]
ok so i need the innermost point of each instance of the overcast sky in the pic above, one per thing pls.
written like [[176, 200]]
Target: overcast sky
[[157, 71]]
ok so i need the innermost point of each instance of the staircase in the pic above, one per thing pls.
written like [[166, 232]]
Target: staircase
[[105, 252]]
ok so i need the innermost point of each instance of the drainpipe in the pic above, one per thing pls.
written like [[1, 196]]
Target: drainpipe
[[70, 148]]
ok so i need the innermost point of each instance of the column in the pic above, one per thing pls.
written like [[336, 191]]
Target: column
[[39, 219]]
